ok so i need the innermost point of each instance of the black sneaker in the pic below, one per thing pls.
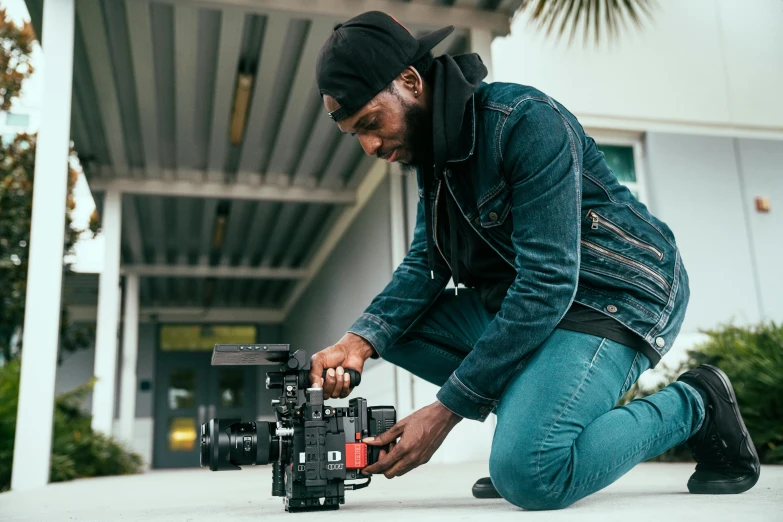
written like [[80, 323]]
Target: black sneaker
[[726, 461], [483, 488]]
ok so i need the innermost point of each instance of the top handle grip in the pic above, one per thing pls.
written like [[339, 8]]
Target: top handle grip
[[356, 377]]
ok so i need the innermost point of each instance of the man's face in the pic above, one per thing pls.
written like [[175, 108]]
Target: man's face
[[390, 126]]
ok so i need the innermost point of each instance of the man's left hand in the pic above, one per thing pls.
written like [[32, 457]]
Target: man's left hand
[[420, 434]]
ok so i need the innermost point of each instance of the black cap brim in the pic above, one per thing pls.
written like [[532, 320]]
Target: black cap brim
[[430, 40]]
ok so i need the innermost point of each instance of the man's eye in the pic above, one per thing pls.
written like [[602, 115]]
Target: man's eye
[[372, 125]]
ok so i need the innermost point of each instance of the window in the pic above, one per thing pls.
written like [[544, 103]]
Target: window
[[623, 155], [17, 120], [204, 337]]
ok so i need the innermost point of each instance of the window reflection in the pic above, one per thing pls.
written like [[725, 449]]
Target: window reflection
[[182, 434], [620, 160], [182, 389], [232, 388]]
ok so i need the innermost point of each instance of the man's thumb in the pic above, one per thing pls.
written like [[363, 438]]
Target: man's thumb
[[386, 437], [316, 371]]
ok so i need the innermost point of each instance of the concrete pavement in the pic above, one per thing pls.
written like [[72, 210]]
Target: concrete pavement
[[650, 492]]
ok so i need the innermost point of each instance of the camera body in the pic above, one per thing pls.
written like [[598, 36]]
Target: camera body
[[316, 450]]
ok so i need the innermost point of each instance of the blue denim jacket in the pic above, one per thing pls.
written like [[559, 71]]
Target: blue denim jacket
[[536, 188]]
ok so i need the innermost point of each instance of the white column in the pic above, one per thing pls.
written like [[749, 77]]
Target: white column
[[108, 316], [481, 43], [33, 442], [130, 349], [403, 380]]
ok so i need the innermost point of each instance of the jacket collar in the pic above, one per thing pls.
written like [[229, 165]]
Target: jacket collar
[[467, 134]]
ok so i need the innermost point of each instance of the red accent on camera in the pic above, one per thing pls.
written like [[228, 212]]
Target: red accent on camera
[[355, 455]]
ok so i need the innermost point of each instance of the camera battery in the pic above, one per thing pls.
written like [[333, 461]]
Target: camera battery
[[355, 455]]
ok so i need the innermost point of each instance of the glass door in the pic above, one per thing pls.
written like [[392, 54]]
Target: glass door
[[232, 394], [183, 385], [189, 390]]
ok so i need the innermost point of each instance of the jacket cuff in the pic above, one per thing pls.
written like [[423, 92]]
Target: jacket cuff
[[374, 330], [463, 401]]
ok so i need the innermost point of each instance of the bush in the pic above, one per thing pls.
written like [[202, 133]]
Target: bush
[[753, 360], [77, 451]]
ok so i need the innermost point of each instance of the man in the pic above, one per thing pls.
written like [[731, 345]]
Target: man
[[573, 287]]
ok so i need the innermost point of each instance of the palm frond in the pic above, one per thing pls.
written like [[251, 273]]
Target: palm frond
[[602, 18]]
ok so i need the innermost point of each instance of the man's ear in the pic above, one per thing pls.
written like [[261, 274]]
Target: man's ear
[[411, 81]]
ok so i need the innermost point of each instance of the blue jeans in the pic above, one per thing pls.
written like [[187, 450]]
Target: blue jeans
[[559, 436]]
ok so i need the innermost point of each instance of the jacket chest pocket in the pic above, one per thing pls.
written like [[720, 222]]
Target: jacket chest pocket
[[495, 207]]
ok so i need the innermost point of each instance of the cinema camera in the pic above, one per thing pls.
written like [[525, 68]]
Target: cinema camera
[[316, 450]]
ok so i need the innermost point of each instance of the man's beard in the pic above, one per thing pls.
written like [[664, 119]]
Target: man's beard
[[417, 136]]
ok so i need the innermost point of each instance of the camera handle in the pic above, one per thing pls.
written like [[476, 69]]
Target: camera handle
[[356, 377], [299, 361]]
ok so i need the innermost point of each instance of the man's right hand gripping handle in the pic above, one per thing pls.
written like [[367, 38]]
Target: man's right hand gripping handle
[[349, 352]]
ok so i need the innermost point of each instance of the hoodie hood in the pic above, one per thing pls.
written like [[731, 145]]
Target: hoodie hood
[[455, 79]]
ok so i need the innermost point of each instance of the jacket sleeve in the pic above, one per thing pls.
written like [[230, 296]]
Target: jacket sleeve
[[410, 293], [541, 158]]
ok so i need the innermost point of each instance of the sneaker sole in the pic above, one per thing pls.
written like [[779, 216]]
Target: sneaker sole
[[728, 487], [481, 491], [740, 485]]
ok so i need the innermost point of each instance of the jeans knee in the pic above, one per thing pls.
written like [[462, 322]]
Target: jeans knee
[[514, 475]]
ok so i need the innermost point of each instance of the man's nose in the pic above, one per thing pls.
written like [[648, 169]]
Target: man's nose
[[370, 144]]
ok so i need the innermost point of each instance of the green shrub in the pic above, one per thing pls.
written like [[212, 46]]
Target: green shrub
[[753, 360], [77, 451]]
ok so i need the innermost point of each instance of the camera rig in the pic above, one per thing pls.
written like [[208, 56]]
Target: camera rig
[[316, 450]]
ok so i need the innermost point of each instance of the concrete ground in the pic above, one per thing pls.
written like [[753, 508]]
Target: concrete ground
[[654, 492]]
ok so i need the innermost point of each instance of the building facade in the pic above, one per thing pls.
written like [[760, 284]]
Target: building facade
[[685, 110]]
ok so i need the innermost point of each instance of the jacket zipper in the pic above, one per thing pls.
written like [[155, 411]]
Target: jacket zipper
[[627, 261], [620, 232], [435, 225], [471, 224]]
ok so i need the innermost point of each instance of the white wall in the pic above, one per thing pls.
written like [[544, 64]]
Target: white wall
[[704, 188], [357, 270], [709, 66]]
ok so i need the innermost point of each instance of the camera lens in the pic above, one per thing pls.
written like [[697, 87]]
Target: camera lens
[[227, 444]]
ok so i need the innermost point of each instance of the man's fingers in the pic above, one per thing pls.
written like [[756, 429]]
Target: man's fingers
[[400, 468], [387, 436], [329, 383], [346, 386], [331, 357], [395, 453], [339, 382]]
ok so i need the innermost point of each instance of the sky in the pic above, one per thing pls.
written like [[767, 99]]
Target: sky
[[88, 255]]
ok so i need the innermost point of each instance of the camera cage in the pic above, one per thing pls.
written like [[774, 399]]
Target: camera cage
[[304, 426]]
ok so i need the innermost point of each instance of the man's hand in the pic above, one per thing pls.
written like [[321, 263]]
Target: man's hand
[[349, 352], [420, 433]]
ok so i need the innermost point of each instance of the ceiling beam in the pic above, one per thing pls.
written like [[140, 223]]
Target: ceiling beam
[[364, 192], [255, 146], [207, 213], [320, 147], [219, 271], [130, 222], [157, 216], [224, 191], [281, 234], [93, 32], [231, 25], [185, 67], [408, 13], [346, 150], [303, 100], [138, 15], [163, 314]]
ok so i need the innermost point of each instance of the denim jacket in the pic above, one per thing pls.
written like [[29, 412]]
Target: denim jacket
[[533, 184]]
